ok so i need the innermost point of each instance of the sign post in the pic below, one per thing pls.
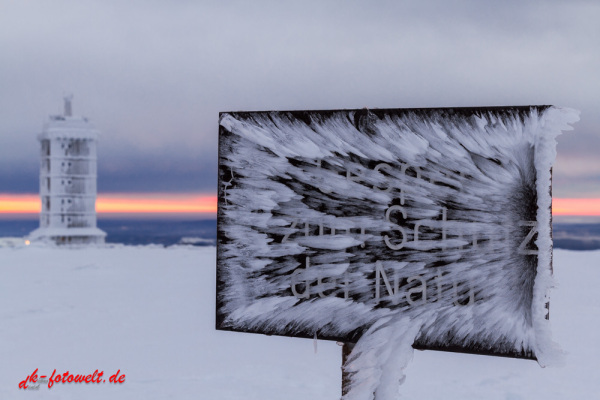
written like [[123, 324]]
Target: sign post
[[346, 351]]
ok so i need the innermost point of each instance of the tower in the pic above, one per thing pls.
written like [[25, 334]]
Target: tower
[[68, 180]]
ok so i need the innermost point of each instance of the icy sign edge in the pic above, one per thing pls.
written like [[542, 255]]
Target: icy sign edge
[[365, 123]]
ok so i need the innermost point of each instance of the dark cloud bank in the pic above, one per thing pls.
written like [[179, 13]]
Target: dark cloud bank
[[154, 75]]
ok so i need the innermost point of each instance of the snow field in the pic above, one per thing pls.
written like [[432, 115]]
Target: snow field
[[149, 311]]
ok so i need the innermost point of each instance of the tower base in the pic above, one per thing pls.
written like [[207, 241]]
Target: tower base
[[66, 236]]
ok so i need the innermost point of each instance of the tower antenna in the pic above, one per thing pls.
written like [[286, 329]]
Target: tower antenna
[[68, 105]]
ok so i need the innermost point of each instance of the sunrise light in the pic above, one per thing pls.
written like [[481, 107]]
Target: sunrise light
[[193, 203], [576, 207], [123, 203]]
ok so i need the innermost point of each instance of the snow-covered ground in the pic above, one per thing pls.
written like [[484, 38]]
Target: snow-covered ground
[[149, 312]]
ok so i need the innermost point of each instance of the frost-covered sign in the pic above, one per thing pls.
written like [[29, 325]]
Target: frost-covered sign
[[428, 227]]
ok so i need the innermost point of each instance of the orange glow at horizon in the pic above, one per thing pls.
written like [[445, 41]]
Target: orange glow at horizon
[[19, 203], [162, 203], [198, 203], [576, 207], [127, 203]]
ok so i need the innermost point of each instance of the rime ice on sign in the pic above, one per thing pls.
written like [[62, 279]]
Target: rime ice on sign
[[68, 180], [397, 228]]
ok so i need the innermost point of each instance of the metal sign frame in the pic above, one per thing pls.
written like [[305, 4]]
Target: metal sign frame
[[274, 138]]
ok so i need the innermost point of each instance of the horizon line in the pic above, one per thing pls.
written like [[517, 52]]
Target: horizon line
[[122, 203], [206, 203]]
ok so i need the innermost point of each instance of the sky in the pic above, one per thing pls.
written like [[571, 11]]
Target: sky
[[154, 75]]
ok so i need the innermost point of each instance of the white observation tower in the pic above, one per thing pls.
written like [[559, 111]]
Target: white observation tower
[[68, 180]]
